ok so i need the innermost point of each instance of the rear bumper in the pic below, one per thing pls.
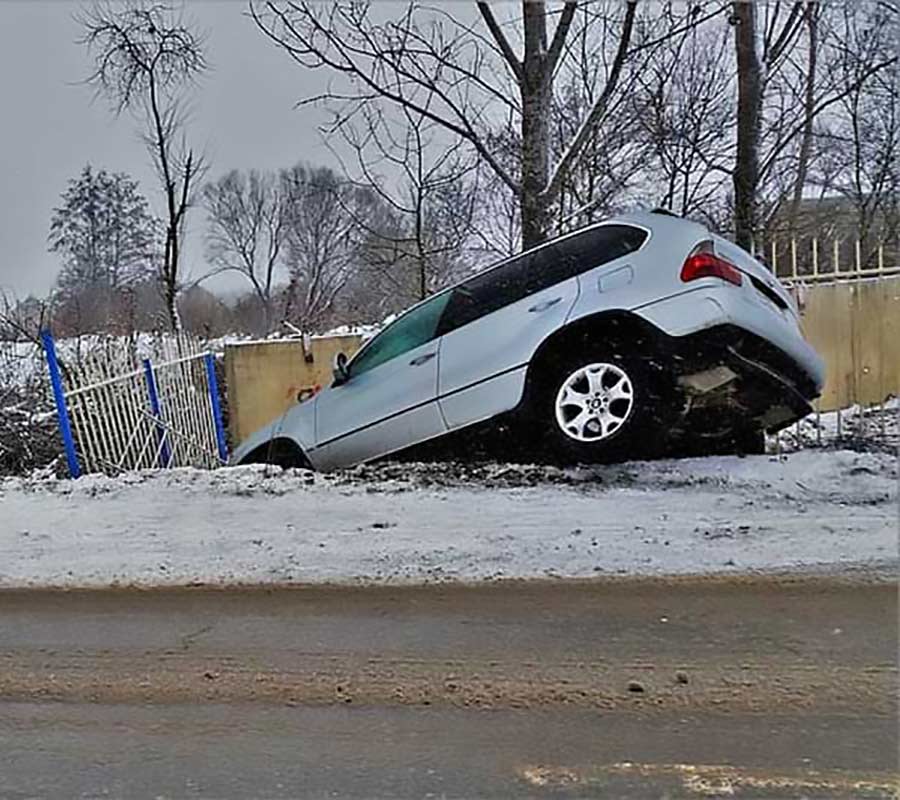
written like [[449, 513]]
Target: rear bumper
[[737, 317], [755, 384], [739, 361]]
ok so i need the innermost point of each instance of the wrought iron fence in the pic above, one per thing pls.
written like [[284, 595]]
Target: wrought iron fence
[[858, 427]]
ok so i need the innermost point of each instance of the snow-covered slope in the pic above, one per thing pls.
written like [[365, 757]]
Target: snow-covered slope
[[418, 523]]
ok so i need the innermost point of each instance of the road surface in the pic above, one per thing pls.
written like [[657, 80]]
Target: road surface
[[686, 688]]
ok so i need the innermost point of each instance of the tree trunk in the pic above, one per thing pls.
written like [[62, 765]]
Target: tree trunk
[[809, 107], [170, 278], [535, 90], [266, 303], [170, 294], [746, 167]]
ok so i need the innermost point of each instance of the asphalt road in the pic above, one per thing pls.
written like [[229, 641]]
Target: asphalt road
[[731, 688]]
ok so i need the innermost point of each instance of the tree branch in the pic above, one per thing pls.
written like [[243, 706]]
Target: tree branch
[[776, 151], [502, 42], [573, 152], [559, 36]]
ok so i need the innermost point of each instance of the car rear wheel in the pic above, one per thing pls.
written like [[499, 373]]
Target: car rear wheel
[[594, 402], [603, 407]]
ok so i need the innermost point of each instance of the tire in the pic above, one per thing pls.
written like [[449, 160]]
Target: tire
[[280, 452], [603, 405]]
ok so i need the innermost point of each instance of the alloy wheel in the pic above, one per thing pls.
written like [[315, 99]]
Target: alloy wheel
[[594, 402]]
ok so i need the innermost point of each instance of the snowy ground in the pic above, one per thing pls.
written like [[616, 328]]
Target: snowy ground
[[819, 510]]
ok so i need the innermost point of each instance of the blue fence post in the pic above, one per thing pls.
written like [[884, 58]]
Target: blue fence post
[[164, 454], [213, 386], [62, 410]]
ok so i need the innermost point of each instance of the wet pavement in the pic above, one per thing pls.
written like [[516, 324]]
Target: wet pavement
[[731, 688], [243, 751]]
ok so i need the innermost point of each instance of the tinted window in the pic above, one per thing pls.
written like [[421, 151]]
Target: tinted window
[[532, 272], [411, 330]]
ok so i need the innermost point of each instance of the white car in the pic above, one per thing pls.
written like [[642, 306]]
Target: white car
[[621, 340]]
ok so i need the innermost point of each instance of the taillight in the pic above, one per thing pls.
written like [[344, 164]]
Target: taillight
[[704, 263]]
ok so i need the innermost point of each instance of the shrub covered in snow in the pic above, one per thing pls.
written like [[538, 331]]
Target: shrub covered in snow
[[28, 429]]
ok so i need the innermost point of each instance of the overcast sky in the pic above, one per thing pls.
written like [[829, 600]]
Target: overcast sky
[[51, 126]]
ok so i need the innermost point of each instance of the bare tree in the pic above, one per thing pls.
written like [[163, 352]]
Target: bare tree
[[861, 137], [145, 56], [321, 242], [753, 71], [772, 84], [428, 200], [472, 79], [247, 226], [686, 116], [613, 154], [809, 109]]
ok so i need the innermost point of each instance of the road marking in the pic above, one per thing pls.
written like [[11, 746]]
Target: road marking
[[723, 780]]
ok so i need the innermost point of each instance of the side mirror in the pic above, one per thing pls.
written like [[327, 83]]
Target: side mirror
[[339, 369]]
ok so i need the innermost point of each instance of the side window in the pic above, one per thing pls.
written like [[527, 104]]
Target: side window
[[591, 249], [412, 329], [538, 270], [486, 292]]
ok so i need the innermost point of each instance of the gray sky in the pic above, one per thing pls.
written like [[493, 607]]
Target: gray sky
[[51, 126]]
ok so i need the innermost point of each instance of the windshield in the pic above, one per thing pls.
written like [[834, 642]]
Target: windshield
[[416, 327]]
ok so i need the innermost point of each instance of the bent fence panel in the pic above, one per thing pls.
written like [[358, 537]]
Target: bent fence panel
[[118, 413]]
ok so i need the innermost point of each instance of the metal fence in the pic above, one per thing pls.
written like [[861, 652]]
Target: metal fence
[[814, 260], [117, 412]]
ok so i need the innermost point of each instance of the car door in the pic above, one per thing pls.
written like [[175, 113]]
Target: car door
[[389, 400], [492, 326]]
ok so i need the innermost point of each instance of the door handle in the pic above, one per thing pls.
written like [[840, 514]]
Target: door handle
[[543, 306], [419, 360]]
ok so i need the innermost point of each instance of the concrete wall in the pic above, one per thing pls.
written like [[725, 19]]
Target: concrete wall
[[264, 378], [855, 326]]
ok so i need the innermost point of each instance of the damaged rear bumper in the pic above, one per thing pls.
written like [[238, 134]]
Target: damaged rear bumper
[[729, 376]]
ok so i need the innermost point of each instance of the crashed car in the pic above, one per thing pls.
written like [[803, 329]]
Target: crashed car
[[640, 335]]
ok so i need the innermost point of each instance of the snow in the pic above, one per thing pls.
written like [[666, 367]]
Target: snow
[[365, 332], [22, 363], [411, 523]]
